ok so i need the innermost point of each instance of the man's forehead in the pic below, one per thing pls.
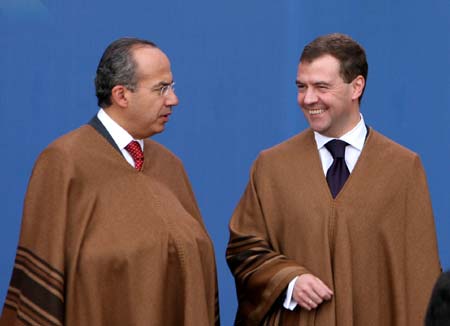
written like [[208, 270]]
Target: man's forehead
[[161, 78], [147, 52], [322, 66], [326, 60], [152, 63]]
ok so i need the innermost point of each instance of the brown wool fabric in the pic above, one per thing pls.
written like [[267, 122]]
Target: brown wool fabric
[[104, 244], [374, 245]]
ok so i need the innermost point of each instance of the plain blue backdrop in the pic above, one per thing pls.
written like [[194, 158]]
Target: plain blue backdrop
[[235, 65]]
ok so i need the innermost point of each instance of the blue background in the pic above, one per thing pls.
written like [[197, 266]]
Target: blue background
[[235, 65]]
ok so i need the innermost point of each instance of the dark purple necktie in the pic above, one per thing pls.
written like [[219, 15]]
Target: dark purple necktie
[[338, 172]]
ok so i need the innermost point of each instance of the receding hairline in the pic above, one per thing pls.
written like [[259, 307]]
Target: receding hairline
[[136, 47], [138, 73]]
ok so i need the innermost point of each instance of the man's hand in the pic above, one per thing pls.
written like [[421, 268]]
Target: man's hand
[[309, 291]]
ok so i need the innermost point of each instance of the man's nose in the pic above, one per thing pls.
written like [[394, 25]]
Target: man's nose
[[310, 96], [171, 98]]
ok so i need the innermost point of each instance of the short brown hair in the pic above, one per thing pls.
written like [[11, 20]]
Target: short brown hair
[[347, 51]]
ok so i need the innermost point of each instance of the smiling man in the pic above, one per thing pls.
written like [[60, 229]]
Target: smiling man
[[111, 232], [335, 226]]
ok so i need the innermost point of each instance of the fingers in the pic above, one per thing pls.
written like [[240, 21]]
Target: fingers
[[322, 290], [309, 291]]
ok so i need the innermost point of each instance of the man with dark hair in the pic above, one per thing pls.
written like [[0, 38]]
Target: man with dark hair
[[111, 232], [117, 67], [438, 313], [335, 226]]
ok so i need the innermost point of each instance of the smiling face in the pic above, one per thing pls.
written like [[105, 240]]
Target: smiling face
[[330, 105], [147, 111]]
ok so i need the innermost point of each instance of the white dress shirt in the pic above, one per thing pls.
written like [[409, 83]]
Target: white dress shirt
[[120, 136], [355, 138]]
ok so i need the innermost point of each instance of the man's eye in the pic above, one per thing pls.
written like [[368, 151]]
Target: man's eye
[[160, 89]]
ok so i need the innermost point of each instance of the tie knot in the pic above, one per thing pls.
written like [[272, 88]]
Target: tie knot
[[136, 153], [336, 148]]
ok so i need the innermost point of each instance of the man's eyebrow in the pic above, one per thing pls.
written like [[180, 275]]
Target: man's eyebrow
[[162, 84], [319, 82], [322, 83]]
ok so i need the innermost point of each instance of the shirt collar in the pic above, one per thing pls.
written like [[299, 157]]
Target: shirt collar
[[355, 137], [120, 135]]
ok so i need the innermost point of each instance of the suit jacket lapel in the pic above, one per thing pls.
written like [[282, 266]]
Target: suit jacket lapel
[[98, 125]]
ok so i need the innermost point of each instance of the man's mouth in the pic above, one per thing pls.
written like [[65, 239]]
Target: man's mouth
[[316, 111], [166, 114]]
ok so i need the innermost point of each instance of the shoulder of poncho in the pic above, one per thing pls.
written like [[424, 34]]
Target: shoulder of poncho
[[71, 142], [289, 145], [161, 150], [378, 140], [74, 137]]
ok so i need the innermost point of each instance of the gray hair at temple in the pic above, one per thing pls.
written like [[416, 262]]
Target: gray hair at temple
[[348, 52], [117, 67]]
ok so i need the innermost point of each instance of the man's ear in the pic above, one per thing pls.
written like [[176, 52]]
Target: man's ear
[[119, 96], [358, 86]]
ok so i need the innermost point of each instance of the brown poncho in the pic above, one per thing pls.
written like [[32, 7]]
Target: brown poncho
[[104, 244], [374, 245]]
